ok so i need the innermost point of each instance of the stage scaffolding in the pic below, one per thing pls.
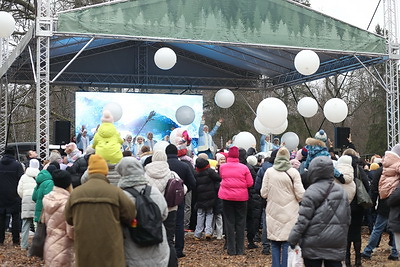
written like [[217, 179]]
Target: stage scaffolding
[[44, 30]]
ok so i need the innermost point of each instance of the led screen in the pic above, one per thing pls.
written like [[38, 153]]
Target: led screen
[[135, 109]]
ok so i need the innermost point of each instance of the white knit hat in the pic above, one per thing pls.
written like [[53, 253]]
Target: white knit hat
[[252, 160]]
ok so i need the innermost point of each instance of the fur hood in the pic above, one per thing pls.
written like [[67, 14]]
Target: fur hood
[[314, 142]]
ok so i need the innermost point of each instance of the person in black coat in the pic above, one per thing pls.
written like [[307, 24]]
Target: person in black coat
[[10, 202], [79, 167], [186, 174], [254, 204], [207, 186]]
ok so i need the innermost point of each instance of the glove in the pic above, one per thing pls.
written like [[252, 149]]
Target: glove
[[292, 246], [341, 178]]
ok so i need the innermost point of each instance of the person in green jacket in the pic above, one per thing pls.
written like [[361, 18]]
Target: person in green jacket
[[44, 185]]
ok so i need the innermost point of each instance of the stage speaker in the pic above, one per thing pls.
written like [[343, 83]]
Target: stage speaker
[[62, 130], [341, 135]]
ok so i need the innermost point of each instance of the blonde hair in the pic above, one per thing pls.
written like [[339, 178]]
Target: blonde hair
[[350, 152]]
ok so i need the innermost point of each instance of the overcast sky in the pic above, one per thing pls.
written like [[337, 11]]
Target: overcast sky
[[355, 12]]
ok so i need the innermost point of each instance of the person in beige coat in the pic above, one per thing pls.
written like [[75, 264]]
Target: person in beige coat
[[344, 166], [283, 189], [58, 247]]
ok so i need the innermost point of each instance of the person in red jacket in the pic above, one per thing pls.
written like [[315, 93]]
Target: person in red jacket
[[236, 179]]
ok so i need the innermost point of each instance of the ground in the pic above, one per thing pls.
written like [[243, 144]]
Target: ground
[[201, 253]]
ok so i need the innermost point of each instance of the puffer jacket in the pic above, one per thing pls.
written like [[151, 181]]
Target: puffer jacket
[[236, 179], [324, 216], [58, 247], [344, 166], [44, 185], [207, 184], [25, 188], [108, 143], [390, 177], [283, 196], [158, 174]]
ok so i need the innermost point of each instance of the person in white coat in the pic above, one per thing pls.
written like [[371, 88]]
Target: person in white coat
[[283, 189], [344, 166], [25, 188]]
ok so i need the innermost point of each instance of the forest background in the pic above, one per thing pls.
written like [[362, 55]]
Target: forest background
[[365, 97]]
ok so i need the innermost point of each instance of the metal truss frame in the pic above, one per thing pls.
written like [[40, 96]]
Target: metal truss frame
[[392, 73]]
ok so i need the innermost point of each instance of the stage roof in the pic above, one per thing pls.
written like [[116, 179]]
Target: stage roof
[[244, 44]]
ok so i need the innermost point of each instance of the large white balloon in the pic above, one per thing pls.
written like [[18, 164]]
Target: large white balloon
[[280, 129], [272, 112], [291, 140], [244, 140], [306, 62], [165, 58], [115, 109], [184, 115], [335, 110], [260, 128], [7, 24], [224, 98], [160, 146], [307, 107]]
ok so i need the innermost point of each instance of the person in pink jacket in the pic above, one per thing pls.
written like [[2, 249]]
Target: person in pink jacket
[[58, 247], [236, 179]]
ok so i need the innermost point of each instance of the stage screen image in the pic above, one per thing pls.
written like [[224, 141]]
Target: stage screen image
[[135, 111]]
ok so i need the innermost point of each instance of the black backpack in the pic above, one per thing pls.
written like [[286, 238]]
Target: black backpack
[[146, 229]]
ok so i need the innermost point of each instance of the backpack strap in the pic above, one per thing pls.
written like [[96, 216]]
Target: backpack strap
[[132, 191], [147, 190]]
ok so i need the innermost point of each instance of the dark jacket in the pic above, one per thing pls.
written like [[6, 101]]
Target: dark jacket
[[183, 170], [207, 184], [78, 169], [10, 173], [394, 216], [324, 216], [382, 209]]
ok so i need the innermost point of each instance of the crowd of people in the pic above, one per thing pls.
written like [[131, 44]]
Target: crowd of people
[[306, 197]]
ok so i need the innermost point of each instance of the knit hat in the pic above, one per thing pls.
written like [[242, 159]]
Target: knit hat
[[9, 151], [283, 153], [97, 165], [202, 155], [54, 165], [71, 146], [107, 116], [345, 160], [61, 178], [396, 149], [201, 163], [159, 155], [218, 156], [321, 135], [373, 166], [233, 152], [252, 160], [171, 149], [34, 163]]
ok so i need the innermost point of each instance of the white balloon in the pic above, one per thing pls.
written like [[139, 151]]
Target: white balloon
[[260, 128], [224, 98], [184, 115], [291, 140], [165, 58], [272, 112], [335, 110], [115, 109], [160, 146], [244, 140], [307, 107], [280, 129], [7, 23], [306, 62]]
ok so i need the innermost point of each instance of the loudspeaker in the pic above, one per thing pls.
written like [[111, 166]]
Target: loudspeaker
[[341, 135], [62, 132]]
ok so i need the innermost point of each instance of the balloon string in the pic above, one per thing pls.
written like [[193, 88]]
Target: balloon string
[[304, 120], [245, 100]]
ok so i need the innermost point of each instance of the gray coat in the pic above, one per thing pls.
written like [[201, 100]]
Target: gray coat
[[324, 216]]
